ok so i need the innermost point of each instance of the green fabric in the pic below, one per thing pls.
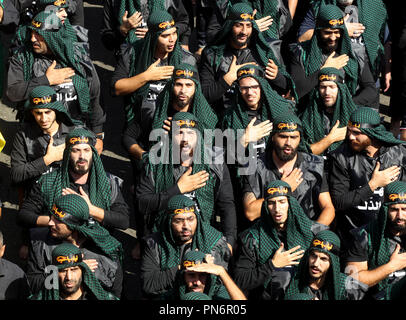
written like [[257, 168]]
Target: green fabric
[[334, 286], [213, 287], [266, 8], [300, 296], [61, 40], [312, 54], [133, 6], [143, 56], [204, 239], [272, 104], [365, 115], [298, 228], [162, 173], [38, 99], [73, 210], [379, 252], [313, 116], [199, 106], [57, 3], [373, 15], [89, 281], [99, 185], [195, 296], [260, 44]]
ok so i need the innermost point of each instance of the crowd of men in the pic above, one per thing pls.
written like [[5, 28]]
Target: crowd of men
[[262, 168]]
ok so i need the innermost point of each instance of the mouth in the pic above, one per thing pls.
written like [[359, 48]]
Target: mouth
[[314, 270]]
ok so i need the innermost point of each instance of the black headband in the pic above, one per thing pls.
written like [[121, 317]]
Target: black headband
[[63, 259], [273, 192], [163, 26], [362, 125], [325, 245], [395, 197], [330, 77], [38, 101], [185, 74]]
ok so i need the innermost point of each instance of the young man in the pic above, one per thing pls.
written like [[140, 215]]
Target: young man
[[283, 160], [319, 273], [274, 244], [325, 119], [199, 274], [76, 281], [183, 230], [377, 253]]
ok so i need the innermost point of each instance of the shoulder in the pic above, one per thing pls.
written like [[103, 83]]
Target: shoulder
[[188, 57]]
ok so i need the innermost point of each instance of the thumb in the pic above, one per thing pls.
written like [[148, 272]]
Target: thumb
[[378, 166], [252, 122], [157, 62], [188, 171], [254, 12], [234, 61], [337, 124], [280, 247], [124, 16], [53, 64]]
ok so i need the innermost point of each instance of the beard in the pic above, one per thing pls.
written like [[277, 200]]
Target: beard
[[397, 228], [69, 291], [80, 169], [282, 155], [360, 146], [183, 103], [237, 41]]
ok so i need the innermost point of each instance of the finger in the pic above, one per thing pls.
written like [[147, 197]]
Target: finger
[[251, 123], [377, 166], [254, 12], [293, 249], [124, 16], [157, 62], [337, 124], [53, 64]]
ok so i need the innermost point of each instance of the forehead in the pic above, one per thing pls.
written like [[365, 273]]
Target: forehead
[[184, 81], [81, 146], [75, 268], [329, 30], [248, 81], [286, 134], [188, 131], [168, 32], [398, 206], [184, 215], [277, 199], [242, 23], [319, 254], [354, 130], [42, 110], [328, 84]]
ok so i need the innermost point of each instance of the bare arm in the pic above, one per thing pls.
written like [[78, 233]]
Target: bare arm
[[292, 4], [252, 206], [327, 209]]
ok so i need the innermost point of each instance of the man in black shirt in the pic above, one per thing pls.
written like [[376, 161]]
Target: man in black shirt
[[52, 56], [238, 44], [81, 173], [377, 253], [183, 230], [194, 170], [304, 172], [367, 161], [38, 146]]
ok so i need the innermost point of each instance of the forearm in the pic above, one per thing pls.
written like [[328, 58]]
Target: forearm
[[127, 86], [327, 216], [319, 147], [136, 151], [233, 290], [292, 4], [253, 209], [306, 36], [373, 277], [21, 172]]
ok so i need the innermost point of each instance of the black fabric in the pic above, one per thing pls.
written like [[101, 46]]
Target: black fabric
[[13, 282]]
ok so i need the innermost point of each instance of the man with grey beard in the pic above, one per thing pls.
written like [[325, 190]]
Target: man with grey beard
[[304, 172]]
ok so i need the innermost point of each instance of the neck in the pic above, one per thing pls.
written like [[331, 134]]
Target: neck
[[76, 239], [373, 149], [73, 296], [79, 178], [285, 166], [281, 227], [318, 283], [187, 163], [161, 54], [176, 107]]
